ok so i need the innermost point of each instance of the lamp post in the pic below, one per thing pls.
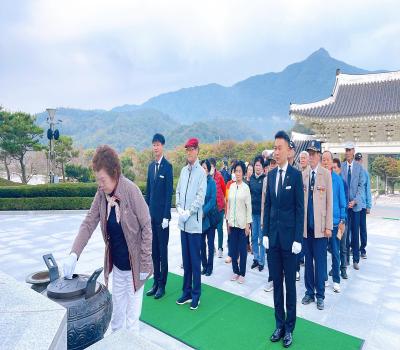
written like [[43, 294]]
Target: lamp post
[[52, 135]]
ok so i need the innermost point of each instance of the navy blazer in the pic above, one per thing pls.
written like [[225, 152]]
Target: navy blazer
[[284, 219], [159, 191]]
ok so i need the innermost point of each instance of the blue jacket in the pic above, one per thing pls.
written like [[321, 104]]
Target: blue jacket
[[355, 189], [190, 194], [367, 200], [159, 191], [210, 201], [339, 199], [284, 219]]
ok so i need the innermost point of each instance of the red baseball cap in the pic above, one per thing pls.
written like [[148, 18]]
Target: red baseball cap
[[193, 142]]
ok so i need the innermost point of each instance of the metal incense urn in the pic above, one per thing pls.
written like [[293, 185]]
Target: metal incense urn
[[87, 301]]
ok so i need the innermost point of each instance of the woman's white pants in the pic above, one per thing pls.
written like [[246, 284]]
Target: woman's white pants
[[127, 304]]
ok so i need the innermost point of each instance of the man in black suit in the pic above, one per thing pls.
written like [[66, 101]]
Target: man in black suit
[[283, 230], [158, 197]]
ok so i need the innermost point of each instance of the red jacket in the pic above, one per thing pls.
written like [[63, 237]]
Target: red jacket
[[219, 180]]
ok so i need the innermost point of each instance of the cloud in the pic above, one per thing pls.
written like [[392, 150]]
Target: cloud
[[99, 54]]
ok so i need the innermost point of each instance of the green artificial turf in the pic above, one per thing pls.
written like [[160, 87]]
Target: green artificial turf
[[227, 321]]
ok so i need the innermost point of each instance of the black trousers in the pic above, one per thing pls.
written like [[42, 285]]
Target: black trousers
[[282, 264], [363, 231], [238, 249], [208, 262], [353, 234], [160, 254], [343, 249]]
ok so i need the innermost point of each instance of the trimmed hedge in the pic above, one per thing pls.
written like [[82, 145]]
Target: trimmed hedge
[[54, 190], [49, 190], [68, 196], [46, 203], [50, 203]]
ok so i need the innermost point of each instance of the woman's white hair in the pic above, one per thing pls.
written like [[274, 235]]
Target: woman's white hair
[[305, 153]]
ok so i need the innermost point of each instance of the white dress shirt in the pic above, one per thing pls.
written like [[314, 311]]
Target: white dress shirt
[[351, 167], [315, 173], [155, 165], [284, 168]]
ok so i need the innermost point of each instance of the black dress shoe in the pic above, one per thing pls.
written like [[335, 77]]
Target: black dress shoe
[[152, 291], [203, 272], [320, 304], [277, 335], [287, 339], [330, 273], [260, 267], [208, 273], [184, 299], [343, 273], [160, 293], [255, 264]]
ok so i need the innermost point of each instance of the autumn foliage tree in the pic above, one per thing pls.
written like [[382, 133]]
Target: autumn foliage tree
[[19, 134], [388, 169]]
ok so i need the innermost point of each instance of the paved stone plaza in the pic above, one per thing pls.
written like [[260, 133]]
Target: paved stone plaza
[[368, 306]]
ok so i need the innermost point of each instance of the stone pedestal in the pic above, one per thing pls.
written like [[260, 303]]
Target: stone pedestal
[[29, 320], [124, 339]]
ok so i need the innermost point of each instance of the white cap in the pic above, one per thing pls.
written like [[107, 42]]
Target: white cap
[[349, 145]]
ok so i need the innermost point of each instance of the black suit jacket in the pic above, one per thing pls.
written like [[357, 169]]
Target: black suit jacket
[[284, 219], [159, 190]]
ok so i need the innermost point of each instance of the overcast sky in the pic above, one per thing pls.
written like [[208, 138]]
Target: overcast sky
[[101, 54]]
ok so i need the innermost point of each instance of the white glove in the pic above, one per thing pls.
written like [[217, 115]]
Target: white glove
[[69, 265], [143, 276], [296, 248], [266, 242], [185, 215], [165, 223]]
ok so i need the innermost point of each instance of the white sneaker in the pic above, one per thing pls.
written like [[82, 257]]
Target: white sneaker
[[269, 286], [326, 283], [336, 287], [240, 280], [220, 254], [228, 260]]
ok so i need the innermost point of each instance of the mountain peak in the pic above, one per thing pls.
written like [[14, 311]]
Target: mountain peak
[[320, 53]]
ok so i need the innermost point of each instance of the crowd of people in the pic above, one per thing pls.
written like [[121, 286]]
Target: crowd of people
[[282, 213]]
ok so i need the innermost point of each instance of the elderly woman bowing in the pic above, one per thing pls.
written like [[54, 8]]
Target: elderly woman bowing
[[125, 223]]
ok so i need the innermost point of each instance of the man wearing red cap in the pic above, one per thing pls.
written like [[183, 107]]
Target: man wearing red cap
[[190, 195]]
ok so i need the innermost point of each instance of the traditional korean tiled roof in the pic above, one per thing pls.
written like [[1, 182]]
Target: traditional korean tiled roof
[[356, 96]]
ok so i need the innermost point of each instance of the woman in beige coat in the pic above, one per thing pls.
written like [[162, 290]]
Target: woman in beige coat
[[125, 223]]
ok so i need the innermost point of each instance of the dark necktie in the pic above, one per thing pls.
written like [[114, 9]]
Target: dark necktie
[[312, 182], [349, 176], [279, 191], [310, 204], [156, 173]]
